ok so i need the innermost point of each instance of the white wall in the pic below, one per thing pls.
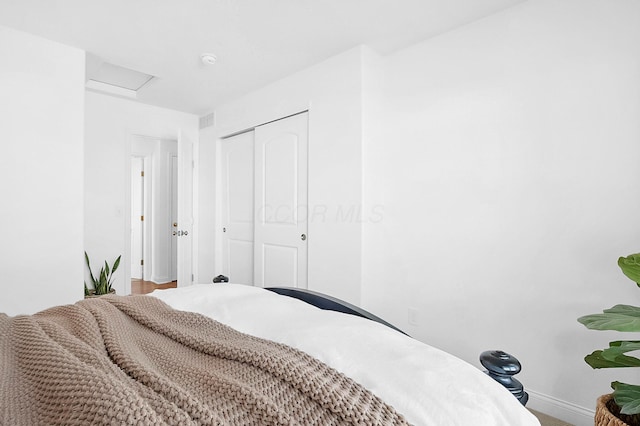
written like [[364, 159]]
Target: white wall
[[508, 171], [41, 170], [497, 160], [110, 124], [332, 93]]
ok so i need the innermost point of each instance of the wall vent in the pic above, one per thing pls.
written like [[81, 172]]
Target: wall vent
[[207, 120]]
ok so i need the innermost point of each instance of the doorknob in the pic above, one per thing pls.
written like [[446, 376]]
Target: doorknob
[[174, 233], [175, 224], [303, 237]]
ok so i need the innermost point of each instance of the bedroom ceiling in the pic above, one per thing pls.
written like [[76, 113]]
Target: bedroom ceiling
[[255, 41]]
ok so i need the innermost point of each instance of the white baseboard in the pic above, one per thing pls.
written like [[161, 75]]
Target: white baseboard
[[563, 410], [160, 280]]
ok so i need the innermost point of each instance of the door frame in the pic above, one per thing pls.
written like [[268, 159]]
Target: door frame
[[187, 262], [186, 207], [144, 201], [174, 164]]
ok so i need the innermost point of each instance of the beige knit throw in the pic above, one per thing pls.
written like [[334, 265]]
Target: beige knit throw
[[134, 360]]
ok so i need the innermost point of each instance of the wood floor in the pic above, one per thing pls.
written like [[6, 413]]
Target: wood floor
[[546, 420], [144, 287]]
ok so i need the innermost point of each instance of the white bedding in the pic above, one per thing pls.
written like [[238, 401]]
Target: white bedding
[[426, 385]]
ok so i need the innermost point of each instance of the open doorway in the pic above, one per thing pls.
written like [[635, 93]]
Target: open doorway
[[154, 193]]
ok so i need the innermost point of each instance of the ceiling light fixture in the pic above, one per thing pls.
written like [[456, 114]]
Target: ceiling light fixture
[[208, 58]]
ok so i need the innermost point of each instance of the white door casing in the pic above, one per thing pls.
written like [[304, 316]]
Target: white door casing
[[280, 229], [173, 226], [185, 210], [137, 213], [237, 198]]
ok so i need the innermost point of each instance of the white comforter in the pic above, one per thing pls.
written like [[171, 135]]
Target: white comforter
[[426, 385]]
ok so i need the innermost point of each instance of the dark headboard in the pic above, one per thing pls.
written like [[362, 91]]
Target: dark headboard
[[329, 303]]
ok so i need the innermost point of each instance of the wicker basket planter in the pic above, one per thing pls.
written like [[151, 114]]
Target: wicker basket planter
[[92, 295], [608, 414]]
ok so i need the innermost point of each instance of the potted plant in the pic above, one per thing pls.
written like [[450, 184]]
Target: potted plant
[[100, 284], [622, 407]]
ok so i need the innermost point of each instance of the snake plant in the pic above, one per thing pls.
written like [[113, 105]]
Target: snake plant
[[102, 282], [619, 318]]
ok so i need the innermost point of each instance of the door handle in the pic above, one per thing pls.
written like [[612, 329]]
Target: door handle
[[303, 237], [174, 233]]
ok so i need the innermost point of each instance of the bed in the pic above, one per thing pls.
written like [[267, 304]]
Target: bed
[[274, 360]]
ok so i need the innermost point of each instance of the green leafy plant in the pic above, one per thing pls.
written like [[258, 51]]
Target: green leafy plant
[[619, 318], [101, 283]]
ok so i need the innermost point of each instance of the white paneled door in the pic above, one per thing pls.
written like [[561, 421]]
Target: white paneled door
[[264, 204], [237, 190], [280, 229]]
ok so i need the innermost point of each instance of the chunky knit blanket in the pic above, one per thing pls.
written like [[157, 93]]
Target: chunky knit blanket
[[134, 360]]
